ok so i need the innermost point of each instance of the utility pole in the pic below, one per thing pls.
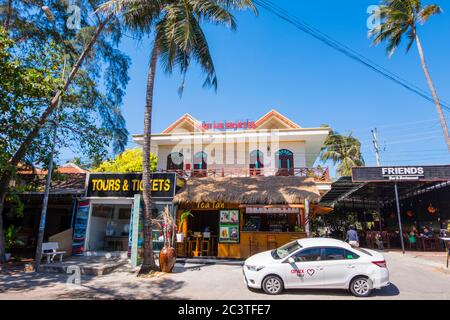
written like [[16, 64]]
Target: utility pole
[[47, 190], [40, 238], [376, 146]]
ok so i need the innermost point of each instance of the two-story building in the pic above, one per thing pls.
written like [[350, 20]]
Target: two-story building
[[250, 185]]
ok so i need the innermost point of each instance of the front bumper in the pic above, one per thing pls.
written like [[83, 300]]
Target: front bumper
[[251, 278]]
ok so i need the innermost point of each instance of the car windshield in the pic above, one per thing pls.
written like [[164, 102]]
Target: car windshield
[[283, 251]]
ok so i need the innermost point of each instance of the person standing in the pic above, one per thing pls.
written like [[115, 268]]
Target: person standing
[[352, 237]]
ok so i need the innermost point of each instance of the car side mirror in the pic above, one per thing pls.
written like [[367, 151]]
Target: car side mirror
[[291, 260]]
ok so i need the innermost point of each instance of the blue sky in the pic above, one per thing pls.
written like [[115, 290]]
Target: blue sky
[[269, 64]]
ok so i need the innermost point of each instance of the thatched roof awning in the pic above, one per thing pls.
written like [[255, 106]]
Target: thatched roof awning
[[249, 190]]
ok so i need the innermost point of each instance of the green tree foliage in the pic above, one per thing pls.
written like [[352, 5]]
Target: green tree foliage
[[22, 89], [129, 161], [25, 88], [103, 76], [344, 151], [337, 223]]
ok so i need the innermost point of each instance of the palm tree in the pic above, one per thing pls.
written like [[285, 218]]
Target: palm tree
[[178, 39], [344, 150], [400, 18]]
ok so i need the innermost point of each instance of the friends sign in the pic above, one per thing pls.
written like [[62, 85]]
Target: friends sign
[[401, 173], [126, 185]]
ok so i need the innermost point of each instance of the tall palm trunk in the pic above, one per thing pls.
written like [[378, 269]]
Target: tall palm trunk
[[433, 92], [148, 264], [5, 177]]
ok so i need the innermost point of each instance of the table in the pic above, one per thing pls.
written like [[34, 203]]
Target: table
[[430, 241]]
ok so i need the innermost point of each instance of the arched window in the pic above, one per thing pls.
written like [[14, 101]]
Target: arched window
[[200, 163], [285, 162], [256, 162], [175, 161]]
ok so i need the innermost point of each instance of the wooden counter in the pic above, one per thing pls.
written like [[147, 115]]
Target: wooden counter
[[260, 242]]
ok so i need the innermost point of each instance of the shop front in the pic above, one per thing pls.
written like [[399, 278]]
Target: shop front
[[395, 206], [105, 214], [238, 217]]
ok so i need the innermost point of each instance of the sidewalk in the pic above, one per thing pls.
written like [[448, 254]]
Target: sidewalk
[[429, 258]]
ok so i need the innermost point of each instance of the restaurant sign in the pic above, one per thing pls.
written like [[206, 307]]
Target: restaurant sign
[[401, 173], [126, 185], [228, 125]]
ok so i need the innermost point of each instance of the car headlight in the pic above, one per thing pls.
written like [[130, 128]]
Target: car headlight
[[254, 268]]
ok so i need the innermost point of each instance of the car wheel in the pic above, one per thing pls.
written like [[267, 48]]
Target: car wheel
[[360, 287], [272, 285]]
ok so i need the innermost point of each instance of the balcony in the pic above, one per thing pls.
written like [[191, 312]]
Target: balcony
[[319, 174]]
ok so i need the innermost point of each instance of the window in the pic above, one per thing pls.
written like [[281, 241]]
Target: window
[[285, 162], [339, 254], [200, 161], [103, 211], [175, 161], [350, 255], [311, 254], [334, 254], [363, 251], [256, 162], [283, 251]]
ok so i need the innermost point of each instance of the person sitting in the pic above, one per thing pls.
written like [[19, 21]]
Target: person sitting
[[379, 241], [427, 233]]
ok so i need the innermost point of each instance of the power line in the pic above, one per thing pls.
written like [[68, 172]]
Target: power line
[[334, 44]]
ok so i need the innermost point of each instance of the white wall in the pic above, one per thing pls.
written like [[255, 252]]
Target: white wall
[[240, 157]]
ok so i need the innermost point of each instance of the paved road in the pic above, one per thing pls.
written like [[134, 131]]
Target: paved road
[[410, 277]]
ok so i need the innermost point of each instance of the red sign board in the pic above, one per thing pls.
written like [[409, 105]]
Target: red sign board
[[228, 125]]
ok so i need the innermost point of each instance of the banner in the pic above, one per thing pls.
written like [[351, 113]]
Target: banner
[[229, 226], [136, 237], [80, 227]]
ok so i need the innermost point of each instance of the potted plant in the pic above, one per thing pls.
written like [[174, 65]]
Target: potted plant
[[167, 255], [183, 218], [11, 240]]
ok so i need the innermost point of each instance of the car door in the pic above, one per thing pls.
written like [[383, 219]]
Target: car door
[[339, 266], [306, 270]]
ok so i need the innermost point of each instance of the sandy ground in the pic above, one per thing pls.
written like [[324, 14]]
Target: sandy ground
[[413, 277]]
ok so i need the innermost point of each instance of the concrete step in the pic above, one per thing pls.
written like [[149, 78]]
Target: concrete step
[[97, 268]]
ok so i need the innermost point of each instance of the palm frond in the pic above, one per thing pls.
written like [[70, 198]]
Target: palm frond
[[427, 12]]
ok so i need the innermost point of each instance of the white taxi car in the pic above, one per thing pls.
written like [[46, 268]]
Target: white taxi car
[[317, 263]]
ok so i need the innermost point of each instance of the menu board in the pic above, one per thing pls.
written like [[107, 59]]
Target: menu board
[[229, 226]]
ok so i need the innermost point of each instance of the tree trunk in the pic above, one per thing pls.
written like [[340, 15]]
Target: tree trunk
[[433, 92], [3, 189], [148, 264], [21, 151]]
